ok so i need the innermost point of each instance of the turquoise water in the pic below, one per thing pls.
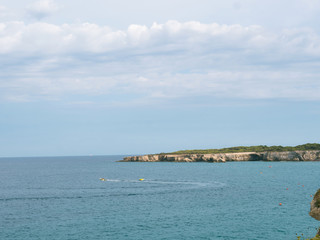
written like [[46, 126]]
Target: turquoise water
[[63, 198]]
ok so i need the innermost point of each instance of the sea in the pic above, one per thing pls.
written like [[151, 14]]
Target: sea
[[64, 198]]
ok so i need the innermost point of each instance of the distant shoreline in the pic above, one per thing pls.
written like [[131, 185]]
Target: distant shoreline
[[292, 156], [306, 152]]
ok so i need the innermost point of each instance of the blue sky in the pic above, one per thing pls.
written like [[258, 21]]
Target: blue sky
[[124, 77]]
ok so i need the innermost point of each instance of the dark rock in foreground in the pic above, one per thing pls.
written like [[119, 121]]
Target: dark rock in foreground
[[229, 157], [315, 206], [315, 210]]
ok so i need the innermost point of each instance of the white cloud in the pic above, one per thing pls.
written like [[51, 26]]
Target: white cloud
[[42, 8], [163, 61], [173, 36]]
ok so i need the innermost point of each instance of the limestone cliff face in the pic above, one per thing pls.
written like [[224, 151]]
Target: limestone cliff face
[[228, 157]]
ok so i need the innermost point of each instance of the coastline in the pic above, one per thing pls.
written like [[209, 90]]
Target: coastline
[[292, 156]]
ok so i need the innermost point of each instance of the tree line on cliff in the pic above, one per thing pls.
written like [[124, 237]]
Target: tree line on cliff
[[259, 148]]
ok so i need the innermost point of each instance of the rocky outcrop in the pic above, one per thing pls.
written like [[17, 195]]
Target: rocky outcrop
[[315, 210], [315, 206], [228, 157]]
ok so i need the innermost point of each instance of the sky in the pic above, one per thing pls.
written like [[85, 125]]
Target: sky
[[111, 77]]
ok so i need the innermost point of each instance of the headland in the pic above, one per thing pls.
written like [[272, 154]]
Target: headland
[[306, 152]]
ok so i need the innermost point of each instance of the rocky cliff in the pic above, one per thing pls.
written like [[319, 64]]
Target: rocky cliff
[[228, 157]]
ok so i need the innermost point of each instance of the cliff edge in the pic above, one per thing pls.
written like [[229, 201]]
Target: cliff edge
[[229, 157]]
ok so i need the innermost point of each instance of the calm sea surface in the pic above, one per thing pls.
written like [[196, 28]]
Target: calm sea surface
[[63, 198]]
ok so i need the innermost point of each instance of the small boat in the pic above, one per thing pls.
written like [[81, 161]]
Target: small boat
[[141, 179]]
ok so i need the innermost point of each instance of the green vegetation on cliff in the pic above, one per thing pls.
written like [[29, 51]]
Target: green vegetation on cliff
[[260, 148]]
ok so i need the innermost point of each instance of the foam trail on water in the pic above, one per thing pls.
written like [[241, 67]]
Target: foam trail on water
[[200, 184]]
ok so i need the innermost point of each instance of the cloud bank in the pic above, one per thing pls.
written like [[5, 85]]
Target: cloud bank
[[163, 61], [48, 38]]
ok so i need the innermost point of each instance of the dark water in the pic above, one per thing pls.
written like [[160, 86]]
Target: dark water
[[63, 198]]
